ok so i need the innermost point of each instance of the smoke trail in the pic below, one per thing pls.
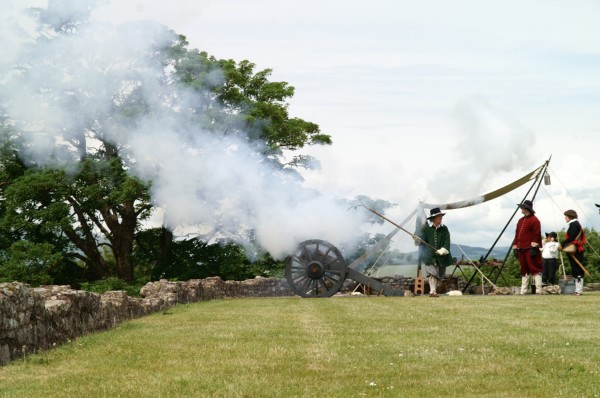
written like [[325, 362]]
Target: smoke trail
[[491, 142], [56, 88]]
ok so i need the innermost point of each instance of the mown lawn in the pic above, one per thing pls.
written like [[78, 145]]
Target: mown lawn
[[470, 346]]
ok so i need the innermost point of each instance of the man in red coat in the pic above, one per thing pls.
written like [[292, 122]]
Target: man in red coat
[[526, 246]]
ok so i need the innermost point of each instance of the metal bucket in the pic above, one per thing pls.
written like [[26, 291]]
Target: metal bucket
[[567, 286]]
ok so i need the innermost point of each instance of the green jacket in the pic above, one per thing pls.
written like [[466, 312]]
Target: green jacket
[[437, 238]]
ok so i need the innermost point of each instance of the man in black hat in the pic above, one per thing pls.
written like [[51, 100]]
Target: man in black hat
[[526, 245], [435, 254]]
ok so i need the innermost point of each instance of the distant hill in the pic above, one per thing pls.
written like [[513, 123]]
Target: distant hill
[[405, 263], [475, 253], [468, 252]]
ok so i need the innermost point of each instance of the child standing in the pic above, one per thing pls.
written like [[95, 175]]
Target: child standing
[[549, 258]]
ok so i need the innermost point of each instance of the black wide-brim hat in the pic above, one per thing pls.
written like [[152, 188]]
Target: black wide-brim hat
[[435, 212], [527, 205]]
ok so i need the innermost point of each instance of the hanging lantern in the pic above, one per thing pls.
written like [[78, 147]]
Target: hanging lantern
[[547, 179]]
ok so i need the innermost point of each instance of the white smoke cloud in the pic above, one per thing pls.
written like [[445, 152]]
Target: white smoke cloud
[[199, 178], [492, 144]]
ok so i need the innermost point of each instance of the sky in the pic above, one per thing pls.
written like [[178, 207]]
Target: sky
[[430, 101]]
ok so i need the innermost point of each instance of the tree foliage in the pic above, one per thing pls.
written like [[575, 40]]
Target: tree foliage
[[195, 259], [80, 217]]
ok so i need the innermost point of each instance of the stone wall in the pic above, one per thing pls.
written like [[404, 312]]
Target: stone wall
[[37, 319]]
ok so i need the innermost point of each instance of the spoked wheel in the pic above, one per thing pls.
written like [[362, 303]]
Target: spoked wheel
[[315, 269]]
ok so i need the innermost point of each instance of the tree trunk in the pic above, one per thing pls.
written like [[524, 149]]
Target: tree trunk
[[123, 234], [96, 266], [164, 249], [124, 262]]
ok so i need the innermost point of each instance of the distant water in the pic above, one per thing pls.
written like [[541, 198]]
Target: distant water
[[409, 270]]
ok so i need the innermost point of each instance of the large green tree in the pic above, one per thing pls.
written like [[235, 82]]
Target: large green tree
[[81, 205]]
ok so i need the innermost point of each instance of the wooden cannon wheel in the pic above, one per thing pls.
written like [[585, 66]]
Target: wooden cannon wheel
[[315, 269]]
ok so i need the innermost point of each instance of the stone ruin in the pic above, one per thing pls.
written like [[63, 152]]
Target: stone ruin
[[37, 319]]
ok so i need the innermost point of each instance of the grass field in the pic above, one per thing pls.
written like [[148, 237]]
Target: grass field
[[469, 346]]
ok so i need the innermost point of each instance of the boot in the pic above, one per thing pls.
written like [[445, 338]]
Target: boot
[[433, 286], [579, 286], [538, 283], [524, 283]]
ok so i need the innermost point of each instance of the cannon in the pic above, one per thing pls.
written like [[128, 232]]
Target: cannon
[[317, 268]]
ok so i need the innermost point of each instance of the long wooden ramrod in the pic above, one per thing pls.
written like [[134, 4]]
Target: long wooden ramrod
[[393, 223], [579, 263]]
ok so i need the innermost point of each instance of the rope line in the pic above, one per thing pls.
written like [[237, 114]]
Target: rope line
[[579, 207]]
